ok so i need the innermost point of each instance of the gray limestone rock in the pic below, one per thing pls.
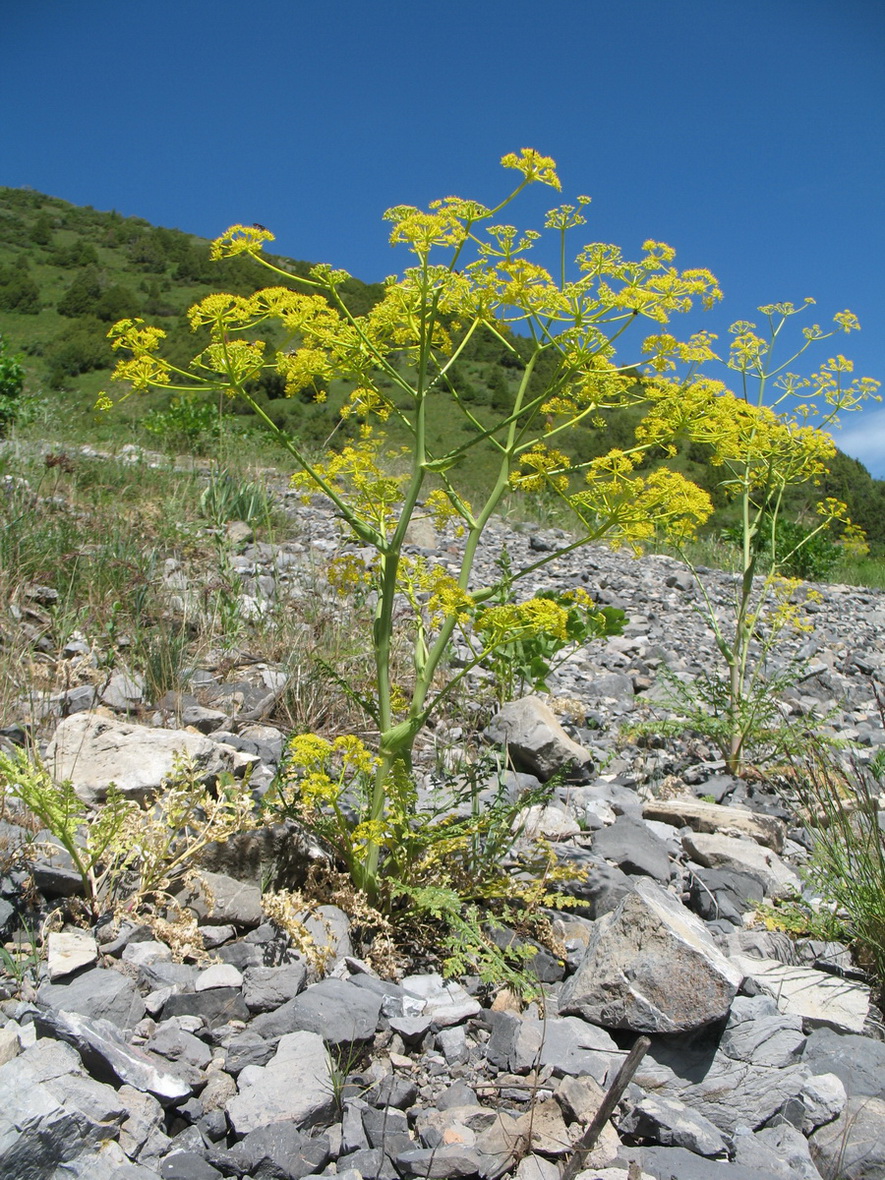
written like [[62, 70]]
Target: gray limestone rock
[[535, 740], [729, 1093], [39, 1134], [858, 1062], [670, 1123], [685, 1165], [93, 751], [221, 900], [103, 1048], [852, 1147], [759, 1034], [265, 988], [651, 966], [724, 821], [782, 1150], [295, 1086]]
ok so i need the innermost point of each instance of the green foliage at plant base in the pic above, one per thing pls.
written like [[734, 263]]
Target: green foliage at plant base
[[450, 868], [127, 853]]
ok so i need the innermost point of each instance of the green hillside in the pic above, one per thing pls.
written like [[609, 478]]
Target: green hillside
[[68, 272]]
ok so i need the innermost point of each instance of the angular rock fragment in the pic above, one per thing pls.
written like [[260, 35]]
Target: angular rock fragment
[[295, 1086], [535, 740], [93, 751], [69, 950], [651, 966], [103, 1049]]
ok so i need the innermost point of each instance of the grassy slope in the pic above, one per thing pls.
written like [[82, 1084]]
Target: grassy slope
[[162, 272]]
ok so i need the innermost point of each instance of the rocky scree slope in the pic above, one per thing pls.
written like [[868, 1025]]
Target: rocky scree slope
[[766, 1059]]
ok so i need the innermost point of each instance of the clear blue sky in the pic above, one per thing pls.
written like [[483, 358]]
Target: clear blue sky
[[748, 135]]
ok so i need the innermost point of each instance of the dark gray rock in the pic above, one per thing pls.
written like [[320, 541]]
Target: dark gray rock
[[279, 1151], [370, 1162], [859, 1061], [176, 1044], [393, 1090], [335, 1009], [600, 887], [247, 1049], [439, 1163], [216, 1006], [187, 1165], [156, 975], [387, 1128], [724, 894], [634, 848], [98, 994]]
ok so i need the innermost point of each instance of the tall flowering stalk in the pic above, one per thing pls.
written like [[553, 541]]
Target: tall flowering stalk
[[470, 271], [767, 438]]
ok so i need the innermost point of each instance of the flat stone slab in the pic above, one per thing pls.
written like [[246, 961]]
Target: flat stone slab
[[820, 999], [719, 820]]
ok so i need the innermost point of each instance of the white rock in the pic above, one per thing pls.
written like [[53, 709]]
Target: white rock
[[818, 998], [824, 1097], [93, 751], [218, 975], [68, 950]]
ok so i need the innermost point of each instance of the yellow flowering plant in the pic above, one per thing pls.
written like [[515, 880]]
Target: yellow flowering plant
[[768, 438], [470, 271]]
